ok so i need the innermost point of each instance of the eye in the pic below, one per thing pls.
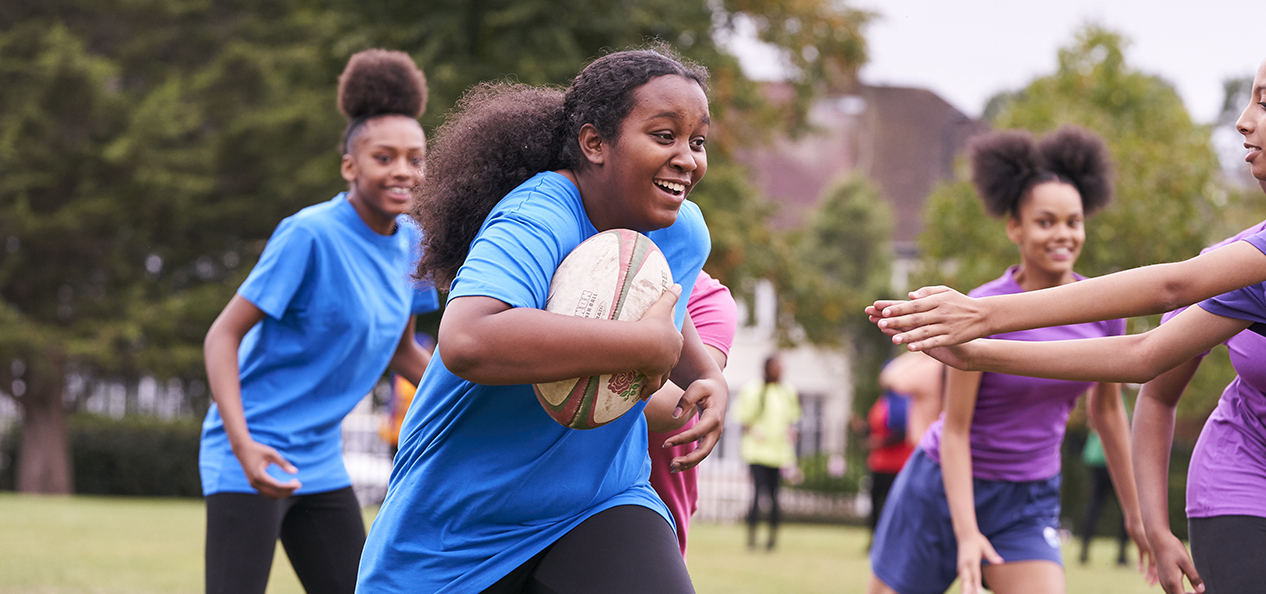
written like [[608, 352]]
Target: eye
[[663, 137], [416, 162], [698, 144], [382, 159]]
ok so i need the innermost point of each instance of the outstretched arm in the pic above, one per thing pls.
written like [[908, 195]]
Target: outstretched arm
[[940, 317], [1134, 358]]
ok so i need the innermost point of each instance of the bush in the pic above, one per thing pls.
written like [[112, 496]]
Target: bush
[[818, 478], [135, 455]]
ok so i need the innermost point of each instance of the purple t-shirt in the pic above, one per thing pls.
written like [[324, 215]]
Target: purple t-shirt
[[1019, 422], [1227, 475]]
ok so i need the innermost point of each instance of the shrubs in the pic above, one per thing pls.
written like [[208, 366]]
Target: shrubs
[[135, 455]]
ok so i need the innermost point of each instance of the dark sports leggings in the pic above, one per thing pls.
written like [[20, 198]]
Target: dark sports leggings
[[880, 486], [623, 550], [323, 534], [1230, 553], [1100, 489], [765, 479]]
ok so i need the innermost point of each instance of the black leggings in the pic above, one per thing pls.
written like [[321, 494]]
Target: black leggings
[[880, 486], [323, 534], [765, 479], [1229, 552], [623, 550], [1100, 489]]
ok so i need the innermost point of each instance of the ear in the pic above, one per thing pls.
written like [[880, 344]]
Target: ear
[[348, 168], [1013, 229], [592, 145]]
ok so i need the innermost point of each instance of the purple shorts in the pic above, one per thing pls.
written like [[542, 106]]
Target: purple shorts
[[915, 551]]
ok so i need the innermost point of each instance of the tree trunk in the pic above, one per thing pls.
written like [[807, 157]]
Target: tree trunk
[[44, 459]]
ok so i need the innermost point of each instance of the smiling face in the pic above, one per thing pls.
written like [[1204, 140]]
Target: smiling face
[[383, 165], [1252, 124], [640, 179], [1049, 233]]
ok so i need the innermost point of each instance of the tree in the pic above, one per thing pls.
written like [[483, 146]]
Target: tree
[[1168, 198], [150, 148]]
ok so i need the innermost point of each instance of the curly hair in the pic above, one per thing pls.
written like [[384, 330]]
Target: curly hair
[[378, 82], [1007, 165], [501, 134]]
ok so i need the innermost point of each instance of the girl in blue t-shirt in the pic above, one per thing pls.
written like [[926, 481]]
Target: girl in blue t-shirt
[[488, 493], [327, 308]]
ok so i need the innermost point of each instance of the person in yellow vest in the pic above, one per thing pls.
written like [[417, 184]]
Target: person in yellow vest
[[768, 409]]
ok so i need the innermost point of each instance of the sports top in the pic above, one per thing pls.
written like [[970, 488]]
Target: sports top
[[1228, 467], [768, 411], [715, 315], [484, 478], [1019, 422], [336, 297], [888, 420]]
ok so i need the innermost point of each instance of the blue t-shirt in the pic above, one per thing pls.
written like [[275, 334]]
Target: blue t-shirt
[[336, 297], [1248, 303], [484, 478]]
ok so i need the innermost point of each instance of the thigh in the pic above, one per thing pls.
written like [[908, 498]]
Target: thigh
[[242, 530], [324, 534], [1229, 552], [626, 549], [1025, 577]]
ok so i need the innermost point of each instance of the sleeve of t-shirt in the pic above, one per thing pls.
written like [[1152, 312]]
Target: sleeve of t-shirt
[[714, 313], [425, 299], [279, 274], [1248, 303], [512, 259]]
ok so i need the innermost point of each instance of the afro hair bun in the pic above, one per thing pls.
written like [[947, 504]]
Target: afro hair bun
[[1080, 157], [381, 82], [1005, 165]]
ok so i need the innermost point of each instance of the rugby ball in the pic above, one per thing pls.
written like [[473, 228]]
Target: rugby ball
[[614, 275]]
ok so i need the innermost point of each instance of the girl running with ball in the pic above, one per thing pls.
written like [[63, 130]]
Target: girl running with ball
[[983, 486], [488, 493], [328, 307]]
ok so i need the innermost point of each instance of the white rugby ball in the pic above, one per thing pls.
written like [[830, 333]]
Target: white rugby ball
[[614, 275]]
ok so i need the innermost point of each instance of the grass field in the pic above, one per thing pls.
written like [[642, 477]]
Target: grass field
[[81, 545]]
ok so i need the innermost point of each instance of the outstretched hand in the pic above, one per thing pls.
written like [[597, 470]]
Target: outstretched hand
[[659, 321], [935, 316], [711, 398], [1147, 558]]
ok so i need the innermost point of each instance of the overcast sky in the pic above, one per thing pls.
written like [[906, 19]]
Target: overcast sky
[[967, 50]]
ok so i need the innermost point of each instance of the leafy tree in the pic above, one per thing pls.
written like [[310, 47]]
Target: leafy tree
[[1168, 198], [150, 148], [843, 262]]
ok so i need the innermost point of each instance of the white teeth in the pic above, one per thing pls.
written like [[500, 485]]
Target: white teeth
[[671, 186]]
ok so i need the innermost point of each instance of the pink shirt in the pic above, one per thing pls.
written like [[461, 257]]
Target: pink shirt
[[715, 316], [1019, 422]]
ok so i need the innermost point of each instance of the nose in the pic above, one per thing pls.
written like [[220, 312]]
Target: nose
[[1244, 125], [402, 169], [684, 159]]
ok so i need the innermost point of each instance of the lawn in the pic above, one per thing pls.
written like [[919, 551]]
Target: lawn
[[82, 545]]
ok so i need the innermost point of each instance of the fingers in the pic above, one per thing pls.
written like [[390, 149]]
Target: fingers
[[991, 555], [665, 304], [653, 384], [929, 291], [969, 577], [1189, 569], [693, 459]]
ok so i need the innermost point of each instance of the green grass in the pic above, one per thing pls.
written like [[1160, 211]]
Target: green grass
[[81, 545]]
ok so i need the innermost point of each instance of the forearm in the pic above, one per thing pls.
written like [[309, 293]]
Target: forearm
[[1112, 359], [410, 359], [697, 361], [1152, 440], [525, 345], [1109, 418], [956, 471], [1135, 292], [223, 376]]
